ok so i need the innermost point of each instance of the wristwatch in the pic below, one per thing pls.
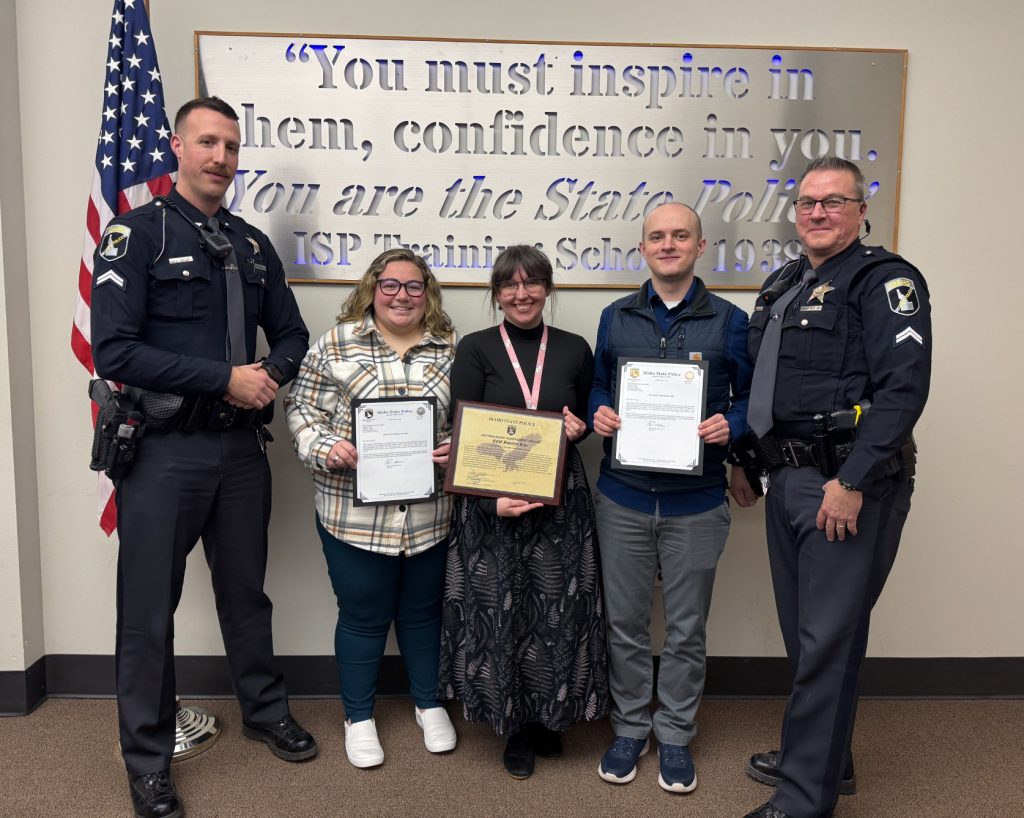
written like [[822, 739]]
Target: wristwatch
[[273, 370], [845, 485]]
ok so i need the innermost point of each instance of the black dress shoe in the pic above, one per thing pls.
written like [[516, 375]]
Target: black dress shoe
[[764, 767], [767, 811], [285, 738], [154, 796], [519, 755], [546, 743]]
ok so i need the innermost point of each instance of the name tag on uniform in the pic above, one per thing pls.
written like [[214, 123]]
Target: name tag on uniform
[[179, 260]]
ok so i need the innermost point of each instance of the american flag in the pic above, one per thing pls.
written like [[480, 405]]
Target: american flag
[[134, 163]]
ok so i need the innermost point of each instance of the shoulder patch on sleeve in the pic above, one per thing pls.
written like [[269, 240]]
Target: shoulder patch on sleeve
[[112, 278], [907, 334], [114, 243], [902, 296]]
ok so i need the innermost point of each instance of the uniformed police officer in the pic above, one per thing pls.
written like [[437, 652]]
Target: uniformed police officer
[[168, 316], [852, 328]]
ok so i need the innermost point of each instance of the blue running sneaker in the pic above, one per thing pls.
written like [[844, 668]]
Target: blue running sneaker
[[618, 765], [676, 768]]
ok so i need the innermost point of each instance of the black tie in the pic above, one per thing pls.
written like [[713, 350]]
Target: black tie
[[234, 350], [762, 388]]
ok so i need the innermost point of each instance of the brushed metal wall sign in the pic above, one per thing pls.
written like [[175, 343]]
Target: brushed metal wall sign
[[353, 145]]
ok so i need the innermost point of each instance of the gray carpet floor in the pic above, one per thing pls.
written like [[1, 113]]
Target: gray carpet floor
[[914, 758]]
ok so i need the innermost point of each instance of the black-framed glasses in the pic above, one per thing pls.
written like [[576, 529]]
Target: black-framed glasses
[[533, 286], [833, 204], [391, 286]]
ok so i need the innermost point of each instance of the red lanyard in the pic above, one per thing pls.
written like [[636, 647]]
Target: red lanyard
[[529, 396]]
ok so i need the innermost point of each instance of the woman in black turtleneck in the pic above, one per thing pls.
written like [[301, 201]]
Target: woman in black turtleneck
[[523, 639]]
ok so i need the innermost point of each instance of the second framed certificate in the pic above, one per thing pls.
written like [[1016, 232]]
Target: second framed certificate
[[502, 452], [660, 402]]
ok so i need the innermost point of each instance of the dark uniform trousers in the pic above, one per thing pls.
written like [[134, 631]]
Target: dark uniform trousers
[[824, 592], [213, 485]]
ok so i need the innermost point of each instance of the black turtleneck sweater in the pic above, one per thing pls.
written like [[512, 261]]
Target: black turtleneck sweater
[[483, 372]]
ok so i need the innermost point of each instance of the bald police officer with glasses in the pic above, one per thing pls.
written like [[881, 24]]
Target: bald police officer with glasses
[[843, 326]]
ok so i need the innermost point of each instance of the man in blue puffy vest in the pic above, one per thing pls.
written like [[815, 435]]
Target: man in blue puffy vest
[[651, 518]]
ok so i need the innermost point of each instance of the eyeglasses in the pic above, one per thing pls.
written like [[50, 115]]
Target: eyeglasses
[[833, 204], [391, 286], [533, 286]]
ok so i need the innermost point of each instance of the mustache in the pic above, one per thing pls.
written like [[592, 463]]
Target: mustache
[[219, 169]]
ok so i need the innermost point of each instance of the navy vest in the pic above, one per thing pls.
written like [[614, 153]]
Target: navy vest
[[698, 332]]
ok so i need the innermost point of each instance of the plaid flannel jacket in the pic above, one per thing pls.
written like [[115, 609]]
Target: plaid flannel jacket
[[352, 362]]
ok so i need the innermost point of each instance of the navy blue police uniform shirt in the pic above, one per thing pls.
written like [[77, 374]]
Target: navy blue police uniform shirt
[[159, 314], [860, 332]]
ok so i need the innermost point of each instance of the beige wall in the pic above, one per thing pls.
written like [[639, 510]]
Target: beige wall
[[955, 588]]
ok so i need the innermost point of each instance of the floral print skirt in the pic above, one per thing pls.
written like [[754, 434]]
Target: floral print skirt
[[523, 632]]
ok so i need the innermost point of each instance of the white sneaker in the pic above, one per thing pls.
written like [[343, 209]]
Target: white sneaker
[[362, 745], [438, 731]]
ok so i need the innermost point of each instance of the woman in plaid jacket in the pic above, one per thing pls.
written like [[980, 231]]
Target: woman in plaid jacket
[[386, 562]]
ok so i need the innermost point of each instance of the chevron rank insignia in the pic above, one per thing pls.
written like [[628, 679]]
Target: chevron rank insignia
[[908, 334], [902, 298], [114, 243], [110, 277]]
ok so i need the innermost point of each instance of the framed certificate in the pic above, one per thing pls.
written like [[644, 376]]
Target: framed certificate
[[394, 438], [502, 452], [660, 402]]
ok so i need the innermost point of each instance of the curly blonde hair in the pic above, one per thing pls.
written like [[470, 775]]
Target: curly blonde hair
[[360, 300]]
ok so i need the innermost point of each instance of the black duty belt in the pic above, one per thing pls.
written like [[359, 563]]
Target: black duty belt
[[221, 416], [167, 412], [773, 452], [782, 451]]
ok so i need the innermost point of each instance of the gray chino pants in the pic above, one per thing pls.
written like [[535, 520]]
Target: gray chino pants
[[687, 547]]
